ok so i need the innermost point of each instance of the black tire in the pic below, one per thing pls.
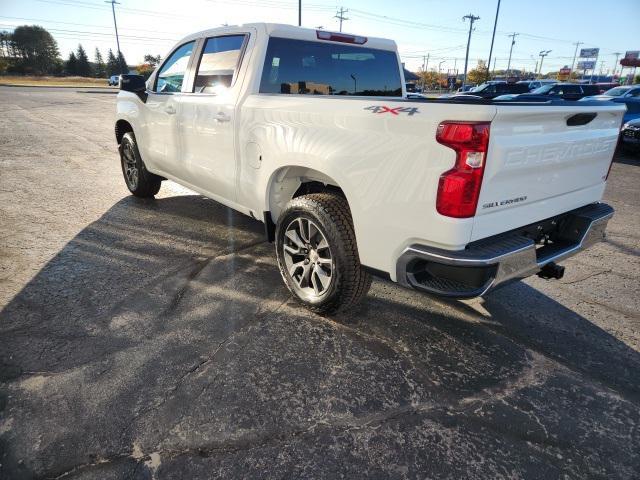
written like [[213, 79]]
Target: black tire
[[138, 179], [329, 214]]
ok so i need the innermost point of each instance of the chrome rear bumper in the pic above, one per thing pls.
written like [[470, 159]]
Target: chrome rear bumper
[[493, 261]]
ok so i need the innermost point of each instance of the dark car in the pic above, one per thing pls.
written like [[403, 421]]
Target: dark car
[[630, 136], [493, 89], [603, 87], [565, 91]]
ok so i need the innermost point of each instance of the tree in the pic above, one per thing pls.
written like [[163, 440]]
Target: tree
[[153, 60], [71, 66], [145, 69], [112, 64], [34, 49], [83, 67], [100, 69], [122, 63], [478, 74]]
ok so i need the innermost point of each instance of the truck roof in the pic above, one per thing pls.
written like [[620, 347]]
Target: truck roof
[[290, 31]]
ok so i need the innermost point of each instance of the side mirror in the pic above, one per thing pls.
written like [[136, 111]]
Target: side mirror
[[135, 84]]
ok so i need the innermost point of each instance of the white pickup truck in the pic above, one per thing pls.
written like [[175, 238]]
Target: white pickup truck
[[311, 132]]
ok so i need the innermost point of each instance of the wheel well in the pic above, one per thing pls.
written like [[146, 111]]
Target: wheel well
[[122, 127], [291, 182]]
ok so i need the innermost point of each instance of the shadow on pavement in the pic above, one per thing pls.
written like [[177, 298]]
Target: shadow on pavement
[[162, 340]]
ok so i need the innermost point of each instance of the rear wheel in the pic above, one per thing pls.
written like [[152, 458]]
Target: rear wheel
[[317, 253], [139, 180]]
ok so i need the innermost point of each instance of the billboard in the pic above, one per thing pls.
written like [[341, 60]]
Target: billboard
[[632, 55], [564, 74], [587, 65], [589, 52]]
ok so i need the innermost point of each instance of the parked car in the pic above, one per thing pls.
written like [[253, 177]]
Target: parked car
[[623, 91], [630, 136], [466, 88], [565, 91], [533, 84], [493, 89], [603, 87], [309, 132], [629, 95], [114, 80]]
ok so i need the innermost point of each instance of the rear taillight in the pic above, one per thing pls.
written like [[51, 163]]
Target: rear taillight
[[340, 37], [459, 188]]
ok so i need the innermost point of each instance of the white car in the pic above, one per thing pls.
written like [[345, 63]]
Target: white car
[[310, 132]]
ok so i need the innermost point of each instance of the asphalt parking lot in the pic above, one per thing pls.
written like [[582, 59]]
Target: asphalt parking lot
[[155, 339]]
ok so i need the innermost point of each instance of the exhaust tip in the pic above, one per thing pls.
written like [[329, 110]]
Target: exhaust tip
[[551, 270]]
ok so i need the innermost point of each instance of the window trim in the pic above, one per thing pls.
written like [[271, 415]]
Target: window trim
[[157, 74], [196, 67]]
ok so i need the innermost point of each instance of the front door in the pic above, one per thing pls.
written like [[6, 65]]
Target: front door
[[161, 147], [207, 117]]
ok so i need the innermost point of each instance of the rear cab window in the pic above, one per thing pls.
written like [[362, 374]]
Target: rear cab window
[[317, 68]]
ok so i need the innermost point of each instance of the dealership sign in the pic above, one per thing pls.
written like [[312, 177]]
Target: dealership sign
[[586, 65], [564, 74], [632, 55], [589, 52]]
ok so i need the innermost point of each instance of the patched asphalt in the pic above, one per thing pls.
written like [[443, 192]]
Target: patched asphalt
[[155, 339]]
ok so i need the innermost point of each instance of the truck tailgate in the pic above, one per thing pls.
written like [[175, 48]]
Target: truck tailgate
[[544, 160]]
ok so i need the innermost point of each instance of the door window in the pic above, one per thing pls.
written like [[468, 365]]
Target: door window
[[218, 63], [171, 75]]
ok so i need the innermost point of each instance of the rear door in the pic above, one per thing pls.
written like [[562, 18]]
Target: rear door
[[544, 160], [208, 115]]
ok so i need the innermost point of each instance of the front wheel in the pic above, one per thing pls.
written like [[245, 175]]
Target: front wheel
[[140, 181], [317, 253]]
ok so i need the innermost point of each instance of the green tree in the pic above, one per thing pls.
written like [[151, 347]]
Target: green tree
[[100, 69], [122, 63], [71, 65], [153, 60], [478, 74], [112, 64], [35, 50], [83, 67]]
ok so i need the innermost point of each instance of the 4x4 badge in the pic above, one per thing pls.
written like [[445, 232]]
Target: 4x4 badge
[[392, 110]]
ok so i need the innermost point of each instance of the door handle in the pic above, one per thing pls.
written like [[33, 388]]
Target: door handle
[[170, 109], [221, 117]]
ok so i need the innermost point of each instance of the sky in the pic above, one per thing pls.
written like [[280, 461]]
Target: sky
[[420, 27]]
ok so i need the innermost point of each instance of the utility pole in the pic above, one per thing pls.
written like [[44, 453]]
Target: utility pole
[[594, 67], [115, 24], [425, 64], [299, 13], [340, 16], [615, 65], [472, 18], [439, 79], [513, 42], [575, 54], [493, 37], [542, 54]]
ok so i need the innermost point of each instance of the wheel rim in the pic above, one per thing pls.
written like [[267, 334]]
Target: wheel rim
[[130, 166], [307, 257]]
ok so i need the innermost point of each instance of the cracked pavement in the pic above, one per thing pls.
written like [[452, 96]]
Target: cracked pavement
[[155, 339]]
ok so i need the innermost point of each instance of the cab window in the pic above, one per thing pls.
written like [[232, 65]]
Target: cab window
[[171, 75], [218, 63]]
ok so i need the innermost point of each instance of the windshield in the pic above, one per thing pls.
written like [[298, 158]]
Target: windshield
[[616, 91], [480, 87], [543, 89]]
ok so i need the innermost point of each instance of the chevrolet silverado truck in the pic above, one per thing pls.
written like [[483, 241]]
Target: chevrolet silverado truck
[[311, 132]]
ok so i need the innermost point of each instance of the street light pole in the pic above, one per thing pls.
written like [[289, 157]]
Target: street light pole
[[472, 18], [299, 13], [542, 54], [115, 24], [615, 65], [495, 24]]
